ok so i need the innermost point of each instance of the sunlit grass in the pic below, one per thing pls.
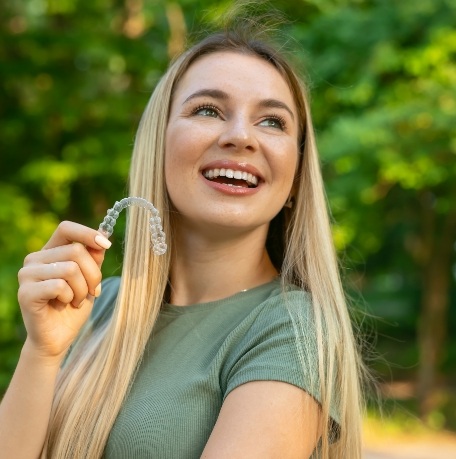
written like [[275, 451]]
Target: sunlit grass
[[397, 424]]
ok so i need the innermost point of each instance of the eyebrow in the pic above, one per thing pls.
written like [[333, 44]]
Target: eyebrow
[[222, 95], [214, 93], [274, 103]]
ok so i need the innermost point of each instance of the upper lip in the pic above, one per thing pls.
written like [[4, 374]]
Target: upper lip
[[236, 166]]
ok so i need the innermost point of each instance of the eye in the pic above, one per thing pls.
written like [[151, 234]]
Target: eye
[[275, 121], [206, 110]]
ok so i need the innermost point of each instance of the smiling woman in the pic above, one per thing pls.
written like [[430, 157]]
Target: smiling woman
[[237, 342], [223, 123]]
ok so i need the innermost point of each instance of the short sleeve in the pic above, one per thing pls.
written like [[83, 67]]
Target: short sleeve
[[274, 350]]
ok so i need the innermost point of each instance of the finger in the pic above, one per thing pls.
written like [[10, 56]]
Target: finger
[[97, 255], [43, 292], [65, 271], [43, 264], [60, 305], [71, 273], [69, 232]]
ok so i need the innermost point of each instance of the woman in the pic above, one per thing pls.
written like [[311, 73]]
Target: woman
[[237, 343]]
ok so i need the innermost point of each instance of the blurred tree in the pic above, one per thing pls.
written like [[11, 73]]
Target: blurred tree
[[386, 105], [75, 77]]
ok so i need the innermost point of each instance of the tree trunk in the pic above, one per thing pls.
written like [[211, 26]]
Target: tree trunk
[[433, 320]]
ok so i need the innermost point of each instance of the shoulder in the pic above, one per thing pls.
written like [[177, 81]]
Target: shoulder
[[279, 342], [287, 298], [272, 340], [286, 308], [266, 316]]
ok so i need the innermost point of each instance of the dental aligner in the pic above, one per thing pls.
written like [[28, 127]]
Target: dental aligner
[[157, 234]]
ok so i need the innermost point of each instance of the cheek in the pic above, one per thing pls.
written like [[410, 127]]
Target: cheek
[[286, 167], [175, 186], [286, 164], [171, 164], [176, 152], [181, 164], [185, 143]]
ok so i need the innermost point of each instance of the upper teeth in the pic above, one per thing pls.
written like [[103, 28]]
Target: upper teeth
[[230, 173]]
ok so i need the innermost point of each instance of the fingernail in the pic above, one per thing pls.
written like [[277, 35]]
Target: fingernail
[[98, 291], [102, 241]]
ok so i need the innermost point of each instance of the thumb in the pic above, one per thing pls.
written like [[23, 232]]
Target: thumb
[[98, 253]]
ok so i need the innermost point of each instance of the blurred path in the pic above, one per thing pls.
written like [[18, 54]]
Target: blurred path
[[412, 450], [406, 438]]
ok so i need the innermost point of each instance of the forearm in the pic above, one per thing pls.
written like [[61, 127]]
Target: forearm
[[26, 406]]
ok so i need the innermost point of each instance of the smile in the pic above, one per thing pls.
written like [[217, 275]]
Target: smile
[[231, 177]]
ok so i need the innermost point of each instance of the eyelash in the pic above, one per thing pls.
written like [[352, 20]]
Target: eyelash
[[207, 107], [280, 119]]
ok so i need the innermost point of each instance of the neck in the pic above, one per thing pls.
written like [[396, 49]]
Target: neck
[[208, 268]]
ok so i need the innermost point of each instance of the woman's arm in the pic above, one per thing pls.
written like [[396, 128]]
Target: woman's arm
[[56, 293], [26, 406], [267, 420]]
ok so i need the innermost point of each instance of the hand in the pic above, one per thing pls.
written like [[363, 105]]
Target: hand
[[57, 286]]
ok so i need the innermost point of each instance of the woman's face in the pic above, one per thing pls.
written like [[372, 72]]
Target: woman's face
[[231, 143]]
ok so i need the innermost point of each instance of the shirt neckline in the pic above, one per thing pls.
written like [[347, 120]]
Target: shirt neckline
[[259, 290]]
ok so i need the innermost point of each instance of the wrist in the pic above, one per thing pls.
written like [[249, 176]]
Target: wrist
[[33, 353]]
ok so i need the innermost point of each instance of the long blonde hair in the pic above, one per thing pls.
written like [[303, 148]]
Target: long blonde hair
[[96, 378]]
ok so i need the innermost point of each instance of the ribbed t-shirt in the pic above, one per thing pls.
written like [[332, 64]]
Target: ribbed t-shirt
[[196, 356]]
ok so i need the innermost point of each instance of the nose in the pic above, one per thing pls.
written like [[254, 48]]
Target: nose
[[238, 135]]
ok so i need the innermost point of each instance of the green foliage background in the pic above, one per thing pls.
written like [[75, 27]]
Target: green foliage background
[[75, 77]]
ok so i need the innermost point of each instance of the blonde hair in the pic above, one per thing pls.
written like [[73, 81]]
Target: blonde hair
[[96, 379]]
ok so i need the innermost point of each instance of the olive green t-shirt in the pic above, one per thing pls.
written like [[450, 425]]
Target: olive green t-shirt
[[196, 356]]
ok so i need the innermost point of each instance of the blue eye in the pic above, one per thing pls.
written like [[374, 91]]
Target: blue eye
[[276, 122], [206, 111]]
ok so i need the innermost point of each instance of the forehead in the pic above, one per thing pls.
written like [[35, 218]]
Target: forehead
[[236, 73]]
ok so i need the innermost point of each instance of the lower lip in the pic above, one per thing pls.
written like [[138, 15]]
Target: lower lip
[[231, 190]]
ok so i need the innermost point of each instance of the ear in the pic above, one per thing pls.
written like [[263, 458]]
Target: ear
[[294, 188], [289, 202], [291, 197]]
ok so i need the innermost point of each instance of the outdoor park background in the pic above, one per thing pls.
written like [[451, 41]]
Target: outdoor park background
[[76, 75]]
